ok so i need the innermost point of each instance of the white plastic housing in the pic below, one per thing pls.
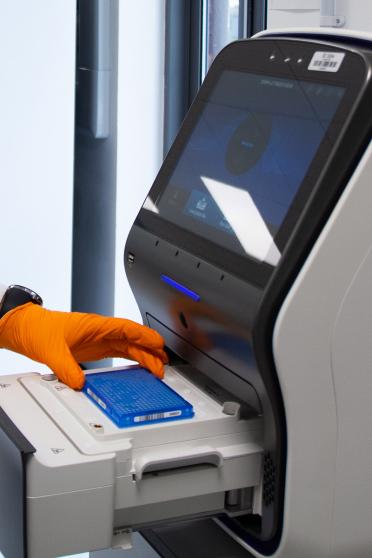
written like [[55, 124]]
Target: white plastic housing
[[89, 479]]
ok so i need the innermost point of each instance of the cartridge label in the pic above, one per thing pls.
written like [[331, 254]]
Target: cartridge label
[[157, 416]]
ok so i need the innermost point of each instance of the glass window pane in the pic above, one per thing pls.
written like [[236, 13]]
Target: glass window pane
[[222, 23]]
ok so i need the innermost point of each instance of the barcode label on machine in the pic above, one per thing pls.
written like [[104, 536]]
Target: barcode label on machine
[[157, 416], [326, 61]]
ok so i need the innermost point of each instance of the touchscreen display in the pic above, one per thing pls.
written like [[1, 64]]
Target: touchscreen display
[[246, 159]]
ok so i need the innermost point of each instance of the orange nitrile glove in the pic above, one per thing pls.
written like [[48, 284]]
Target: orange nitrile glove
[[62, 339]]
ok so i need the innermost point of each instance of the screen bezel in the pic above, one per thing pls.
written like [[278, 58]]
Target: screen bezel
[[253, 56]]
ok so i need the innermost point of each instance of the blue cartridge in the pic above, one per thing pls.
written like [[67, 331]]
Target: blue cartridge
[[134, 397]]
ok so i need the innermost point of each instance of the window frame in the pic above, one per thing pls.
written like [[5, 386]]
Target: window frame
[[184, 54]]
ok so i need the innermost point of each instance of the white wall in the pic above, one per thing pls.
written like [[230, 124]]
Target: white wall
[[306, 13], [140, 124], [293, 13], [358, 14], [37, 61]]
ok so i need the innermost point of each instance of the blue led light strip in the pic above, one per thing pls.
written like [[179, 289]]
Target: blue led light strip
[[180, 287]]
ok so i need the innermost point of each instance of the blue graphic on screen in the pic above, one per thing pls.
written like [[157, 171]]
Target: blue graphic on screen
[[257, 134]]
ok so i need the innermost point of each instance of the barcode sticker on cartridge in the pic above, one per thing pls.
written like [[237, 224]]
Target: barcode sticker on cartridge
[[326, 61], [157, 416]]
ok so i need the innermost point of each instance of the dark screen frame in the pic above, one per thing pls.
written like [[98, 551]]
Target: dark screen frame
[[253, 56]]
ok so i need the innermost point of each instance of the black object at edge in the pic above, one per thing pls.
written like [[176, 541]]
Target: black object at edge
[[157, 544], [25, 448], [15, 435], [207, 538]]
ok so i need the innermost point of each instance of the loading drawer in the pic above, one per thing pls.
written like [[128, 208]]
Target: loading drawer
[[89, 481]]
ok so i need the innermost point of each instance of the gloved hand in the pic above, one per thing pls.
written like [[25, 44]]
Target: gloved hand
[[62, 339]]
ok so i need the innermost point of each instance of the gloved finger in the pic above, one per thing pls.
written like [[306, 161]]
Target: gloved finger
[[161, 354], [144, 336], [93, 351], [127, 349], [66, 368], [145, 358], [109, 349], [154, 364], [96, 328]]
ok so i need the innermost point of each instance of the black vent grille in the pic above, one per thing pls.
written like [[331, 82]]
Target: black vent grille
[[269, 480]]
